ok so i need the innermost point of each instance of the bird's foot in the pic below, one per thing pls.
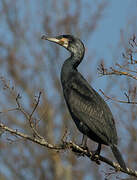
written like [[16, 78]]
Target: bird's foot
[[81, 151], [95, 157], [95, 154], [83, 144], [84, 147]]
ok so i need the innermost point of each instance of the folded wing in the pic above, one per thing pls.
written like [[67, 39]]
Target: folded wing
[[88, 107]]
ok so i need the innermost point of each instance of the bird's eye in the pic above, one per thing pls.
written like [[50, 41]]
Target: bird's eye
[[71, 40]]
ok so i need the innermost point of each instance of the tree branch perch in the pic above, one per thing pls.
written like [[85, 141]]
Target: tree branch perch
[[68, 145]]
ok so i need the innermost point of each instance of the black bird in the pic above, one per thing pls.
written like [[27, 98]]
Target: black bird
[[89, 111]]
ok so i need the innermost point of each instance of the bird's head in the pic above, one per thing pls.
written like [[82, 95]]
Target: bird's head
[[72, 44]]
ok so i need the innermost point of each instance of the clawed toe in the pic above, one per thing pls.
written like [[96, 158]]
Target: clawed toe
[[95, 157], [84, 147], [95, 154]]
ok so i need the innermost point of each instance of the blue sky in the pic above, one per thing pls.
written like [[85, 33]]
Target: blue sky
[[117, 16], [108, 32]]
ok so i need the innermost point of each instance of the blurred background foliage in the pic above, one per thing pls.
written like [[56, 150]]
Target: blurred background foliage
[[29, 65]]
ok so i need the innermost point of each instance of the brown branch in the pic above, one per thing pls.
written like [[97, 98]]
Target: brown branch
[[8, 110], [114, 71], [29, 117], [122, 67], [104, 71], [120, 101], [42, 141], [69, 146], [36, 105]]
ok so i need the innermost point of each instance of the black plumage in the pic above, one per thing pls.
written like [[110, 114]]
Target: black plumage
[[89, 111]]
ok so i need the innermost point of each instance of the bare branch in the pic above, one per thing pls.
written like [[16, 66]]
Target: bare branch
[[8, 110], [29, 117], [127, 69], [114, 71], [69, 145], [36, 105], [120, 101], [103, 71]]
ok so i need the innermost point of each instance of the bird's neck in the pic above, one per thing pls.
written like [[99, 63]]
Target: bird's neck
[[69, 67]]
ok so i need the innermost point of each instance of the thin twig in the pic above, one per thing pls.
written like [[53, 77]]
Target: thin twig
[[30, 117], [103, 71], [8, 110], [64, 138], [120, 101], [122, 67], [114, 71], [36, 105], [27, 116]]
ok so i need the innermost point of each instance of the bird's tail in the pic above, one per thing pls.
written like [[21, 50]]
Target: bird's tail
[[118, 156]]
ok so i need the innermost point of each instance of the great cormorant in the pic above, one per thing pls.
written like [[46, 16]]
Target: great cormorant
[[89, 111]]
